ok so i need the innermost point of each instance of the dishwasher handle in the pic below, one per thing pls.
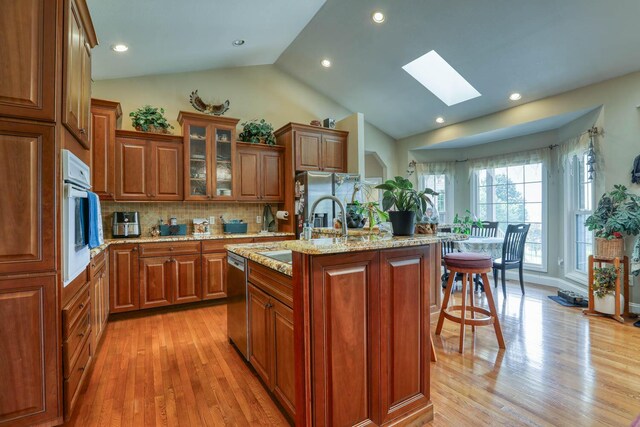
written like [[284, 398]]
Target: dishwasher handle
[[235, 261]]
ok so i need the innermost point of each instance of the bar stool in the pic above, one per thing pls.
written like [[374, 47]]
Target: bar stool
[[467, 264]]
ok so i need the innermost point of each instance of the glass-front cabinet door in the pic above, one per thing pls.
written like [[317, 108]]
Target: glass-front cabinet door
[[197, 154], [224, 162]]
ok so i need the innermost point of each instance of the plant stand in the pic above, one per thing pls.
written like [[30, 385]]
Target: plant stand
[[617, 262]]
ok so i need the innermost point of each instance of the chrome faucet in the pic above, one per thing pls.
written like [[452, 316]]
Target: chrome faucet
[[343, 218]]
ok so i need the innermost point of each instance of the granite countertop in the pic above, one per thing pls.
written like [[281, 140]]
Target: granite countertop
[[365, 243], [190, 237], [338, 231], [250, 251]]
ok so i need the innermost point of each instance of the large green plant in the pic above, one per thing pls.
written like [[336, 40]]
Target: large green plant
[[399, 193], [618, 213], [255, 131], [464, 224], [149, 119]]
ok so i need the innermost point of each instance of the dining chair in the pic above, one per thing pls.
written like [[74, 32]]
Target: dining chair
[[488, 229], [447, 248], [512, 254]]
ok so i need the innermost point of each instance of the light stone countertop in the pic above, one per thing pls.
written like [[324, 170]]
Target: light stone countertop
[[189, 237]]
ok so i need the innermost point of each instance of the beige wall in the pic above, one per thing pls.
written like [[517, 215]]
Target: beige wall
[[384, 146], [354, 124], [372, 166]]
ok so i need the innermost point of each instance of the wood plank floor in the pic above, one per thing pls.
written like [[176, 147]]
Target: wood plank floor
[[560, 368]]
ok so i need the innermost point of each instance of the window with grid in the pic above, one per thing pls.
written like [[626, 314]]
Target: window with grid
[[515, 195], [437, 183], [581, 207]]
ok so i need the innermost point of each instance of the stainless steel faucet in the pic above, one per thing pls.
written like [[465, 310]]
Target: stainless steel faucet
[[343, 218]]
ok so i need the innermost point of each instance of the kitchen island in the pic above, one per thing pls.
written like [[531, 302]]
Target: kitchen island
[[361, 327]]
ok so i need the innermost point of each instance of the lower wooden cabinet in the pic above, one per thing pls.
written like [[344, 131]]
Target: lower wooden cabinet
[[124, 288], [186, 283], [271, 340], [214, 275], [28, 371], [99, 299], [155, 282]]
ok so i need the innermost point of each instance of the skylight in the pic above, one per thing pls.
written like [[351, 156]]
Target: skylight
[[434, 73]]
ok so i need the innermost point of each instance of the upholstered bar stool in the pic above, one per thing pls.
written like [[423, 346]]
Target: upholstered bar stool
[[467, 264]]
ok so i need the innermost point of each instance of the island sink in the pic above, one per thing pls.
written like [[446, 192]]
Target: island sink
[[282, 256]]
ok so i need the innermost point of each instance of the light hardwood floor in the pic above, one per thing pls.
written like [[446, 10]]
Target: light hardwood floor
[[560, 368]]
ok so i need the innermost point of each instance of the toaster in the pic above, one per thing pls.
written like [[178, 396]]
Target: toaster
[[125, 224]]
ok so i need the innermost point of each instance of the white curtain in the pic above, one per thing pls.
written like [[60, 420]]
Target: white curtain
[[436, 168], [540, 155], [576, 146]]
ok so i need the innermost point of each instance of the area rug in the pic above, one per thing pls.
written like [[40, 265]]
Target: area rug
[[637, 325], [564, 303]]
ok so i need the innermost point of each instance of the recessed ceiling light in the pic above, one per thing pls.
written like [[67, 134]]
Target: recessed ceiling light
[[515, 96], [238, 42], [119, 48], [325, 63], [434, 73], [378, 17], [440, 120]]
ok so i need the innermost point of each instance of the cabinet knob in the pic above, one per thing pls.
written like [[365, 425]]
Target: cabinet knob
[[83, 131], [135, 249], [171, 248], [81, 306], [81, 368], [111, 195], [81, 334], [148, 194]]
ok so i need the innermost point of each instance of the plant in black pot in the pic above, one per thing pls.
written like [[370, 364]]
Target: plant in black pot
[[408, 203]]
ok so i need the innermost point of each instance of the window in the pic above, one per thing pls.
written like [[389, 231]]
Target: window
[[515, 195], [437, 183], [581, 194]]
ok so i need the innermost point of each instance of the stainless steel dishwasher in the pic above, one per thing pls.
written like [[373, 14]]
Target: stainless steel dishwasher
[[237, 316]]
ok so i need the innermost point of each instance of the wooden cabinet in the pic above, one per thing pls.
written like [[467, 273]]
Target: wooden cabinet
[[79, 39], [155, 282], [29, 348], [271, 333], [148, 166], [99, 274], [209, 156], [214, 275], [187, 284], [104, 119], [123, 278], [27, 173], [28, 46], [314, 148], [260, 173]]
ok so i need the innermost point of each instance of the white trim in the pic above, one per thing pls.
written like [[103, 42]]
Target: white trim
[[634, 307]]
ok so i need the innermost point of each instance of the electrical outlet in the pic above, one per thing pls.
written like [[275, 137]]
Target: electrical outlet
[[259, 219], [212, 220]]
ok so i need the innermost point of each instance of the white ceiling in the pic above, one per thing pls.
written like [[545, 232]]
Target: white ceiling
[[167, 36], [538, 48]]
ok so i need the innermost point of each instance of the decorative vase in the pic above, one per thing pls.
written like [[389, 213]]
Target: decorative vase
[[403, 223], [354, 219], [609, 248], [607, 304]]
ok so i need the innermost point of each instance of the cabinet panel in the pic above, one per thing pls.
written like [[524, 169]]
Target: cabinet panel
[[166, 180], [27, 173], [73, 59], [187, 286], [260, 345], [283, 357], [85, 95], [223, 162], [249, 175], [27, 43], [333, 154], [344, 340], [99, 283], [308, 151], [155, 281], [404, 320], [214, 275], [271, 176], [102, 153], [123, 278], [197, 164], [28, 370], [132, 169]]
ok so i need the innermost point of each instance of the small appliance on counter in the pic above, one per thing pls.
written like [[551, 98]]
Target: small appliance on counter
[[125, 224]]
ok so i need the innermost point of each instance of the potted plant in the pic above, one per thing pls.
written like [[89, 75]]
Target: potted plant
[[617, 214], [150, 119], [604, 286], [257, 132], [408, 203], [361, 212], [357, 212], [463, 225]]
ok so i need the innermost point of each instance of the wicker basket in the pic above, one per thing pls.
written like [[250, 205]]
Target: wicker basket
[[609, 249]]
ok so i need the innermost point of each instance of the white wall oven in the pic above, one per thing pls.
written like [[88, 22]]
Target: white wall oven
[[75, 227]]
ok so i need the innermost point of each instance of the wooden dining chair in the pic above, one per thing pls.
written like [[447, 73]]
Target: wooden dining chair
[[447, 248], [488, 229], [512, 254]]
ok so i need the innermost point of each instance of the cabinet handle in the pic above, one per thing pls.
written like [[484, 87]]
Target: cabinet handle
[[81, 334], [171, 248], [83, 131], [111, 195], [102, 275], [81, 306], [134, 249], [149, 195], [81, 368], [268, 305]]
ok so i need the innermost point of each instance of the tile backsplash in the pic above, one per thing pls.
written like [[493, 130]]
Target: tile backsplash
[[184, 212]]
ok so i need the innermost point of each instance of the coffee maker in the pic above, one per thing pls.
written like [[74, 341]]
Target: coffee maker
[[125, 224]]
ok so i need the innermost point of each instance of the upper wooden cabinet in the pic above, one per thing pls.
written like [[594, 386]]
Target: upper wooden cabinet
[[260, 172], [315, 148], [27, 172], [209, 156], [28, 46], [79, 39], [104, 119], [148, 166]]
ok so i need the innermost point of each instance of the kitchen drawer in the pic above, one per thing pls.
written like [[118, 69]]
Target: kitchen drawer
[[275, 284], [74, 381], [73, 344], [96, 263], [169, 248], [74, 309], [218, 245], [272, 239]]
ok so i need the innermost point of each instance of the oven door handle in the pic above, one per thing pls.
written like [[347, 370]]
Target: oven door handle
[[73, 192]]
